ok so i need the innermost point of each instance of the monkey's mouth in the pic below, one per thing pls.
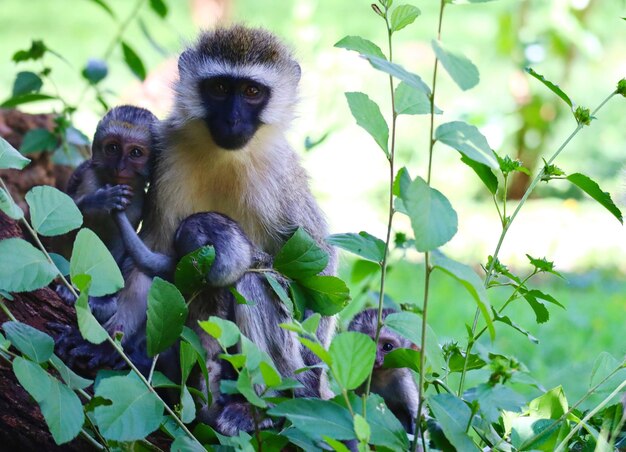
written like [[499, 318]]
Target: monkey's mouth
[[231, 138]]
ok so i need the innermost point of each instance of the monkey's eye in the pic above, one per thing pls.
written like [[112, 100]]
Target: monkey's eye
[[111, 149], [252, 91], [135, 153], [387, 346], [218, 88]]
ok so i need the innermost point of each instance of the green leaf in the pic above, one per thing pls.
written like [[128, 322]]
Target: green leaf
[[493, 399], [60, 406], [8, 206], [361, 428], [470, 280], [317, 349], [88, 326], [397, 71], [191, 270], [353, 356], [34, 344], [91, 257], [402, 16], [433, 219], [543, 265], [10, 157], [159, 7], [409, 326], [603, 366], [133, 61], [325, 294], [23, 267], [134, 413], [270, 376], [541, 312], [184, 443], [506, 320], [454, 416], [62, 264], [316, 417], [337, 446], [70, 378], [167, 313], [551, 86], [468, 141], [311, 323], [300, 257], [361, 45], [225, 331], [35, 52], [95, 70], [458, 66], [26, 82], [403, 357], [412, 101], [484, 172], [386, 430], [280, 291], [362, 244], [368, 116], [245, 387], [38, 140], [592, 189], [52, 212], [188, 406], [25, 99], [102, 4]]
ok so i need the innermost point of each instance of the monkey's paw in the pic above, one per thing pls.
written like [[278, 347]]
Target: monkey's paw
[[237, 416], [65, 294], [114, 197]]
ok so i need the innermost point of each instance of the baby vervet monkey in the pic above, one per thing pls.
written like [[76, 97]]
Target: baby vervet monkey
[[396, 386]]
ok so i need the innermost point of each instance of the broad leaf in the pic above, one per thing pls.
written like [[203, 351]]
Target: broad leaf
[[9, 207], [368, 116], [317, 349], [484, 172], [52, 212], [280, 291], [433, 219], [192, 269], [91, 257], [353, 356], [300, 257], [25, 99], [398, 72], [102, 4], [60, 406], [159, 7], [38, 140], [460, 68], [10, 157], [324, 294], [593, 189], [88, 326], [134, 413], [361, 45], [133, 61], [225, 331], [188, 406], [454, 416], [470, 280], [167, 313], [412, 101], [468, 141], [494, 399], [70, 378], [34, 344], [402, 16], [403, 357], [246, 388], [362, 244], [386, 430], [62, 264], [551, 86], [23, 267], [26, 82], [506, 320], [316, 417]]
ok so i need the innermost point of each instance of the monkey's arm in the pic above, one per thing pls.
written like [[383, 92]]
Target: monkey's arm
[[154, 264]]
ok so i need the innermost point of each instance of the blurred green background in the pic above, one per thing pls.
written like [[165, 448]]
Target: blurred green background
[[579, 44]]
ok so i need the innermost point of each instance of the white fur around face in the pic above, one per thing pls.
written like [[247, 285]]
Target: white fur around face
[[283, 89]]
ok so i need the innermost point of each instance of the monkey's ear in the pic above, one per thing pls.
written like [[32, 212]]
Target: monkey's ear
[[415, 347], [184, 61], [298, 71]]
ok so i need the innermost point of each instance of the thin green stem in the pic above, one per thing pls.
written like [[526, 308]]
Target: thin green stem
[[550, 428], [427, 269], [507, 226], [92, 440], [151, 373], [6, 310], [383, 273]]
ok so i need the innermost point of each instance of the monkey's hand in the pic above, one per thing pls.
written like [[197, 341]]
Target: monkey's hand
[[81, 355], [65, 294], [237, 416], [113, 197]]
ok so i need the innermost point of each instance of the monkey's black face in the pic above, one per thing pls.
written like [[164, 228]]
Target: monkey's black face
[[233, 109], [386, 344]]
